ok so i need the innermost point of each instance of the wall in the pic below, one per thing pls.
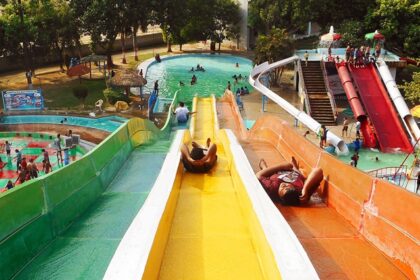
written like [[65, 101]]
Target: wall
[[145, 40], [36, 212]]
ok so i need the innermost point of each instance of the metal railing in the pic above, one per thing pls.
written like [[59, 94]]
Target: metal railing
[[329, 91], [396, 175], [302, 87]]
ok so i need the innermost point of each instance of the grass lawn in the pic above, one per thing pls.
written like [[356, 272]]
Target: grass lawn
[[61, 96]]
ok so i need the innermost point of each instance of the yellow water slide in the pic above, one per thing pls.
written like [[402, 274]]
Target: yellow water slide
[[213, 233], [218, 225]]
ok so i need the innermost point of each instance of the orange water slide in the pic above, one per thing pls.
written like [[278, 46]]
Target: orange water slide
[[356, 226]]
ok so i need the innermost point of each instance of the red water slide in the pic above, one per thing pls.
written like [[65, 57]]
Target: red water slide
[[369, 139], [389, 131]]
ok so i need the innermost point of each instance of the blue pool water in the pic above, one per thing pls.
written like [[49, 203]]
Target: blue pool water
[[109, 123], [219, 69]]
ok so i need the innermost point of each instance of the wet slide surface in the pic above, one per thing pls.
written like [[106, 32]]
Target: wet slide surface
[[334, 246], [209, 238], [85, 249], [380, 110]]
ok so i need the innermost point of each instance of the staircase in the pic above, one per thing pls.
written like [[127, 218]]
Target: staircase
[[319, 101]]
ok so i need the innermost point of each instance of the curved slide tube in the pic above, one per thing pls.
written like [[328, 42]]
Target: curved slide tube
[[219, 225], [398, 100], [389, 132], [369, 139], [254, 80]]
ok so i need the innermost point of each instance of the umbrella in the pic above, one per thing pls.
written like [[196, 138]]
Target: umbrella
[[374, 36], [93, 58], [416, 111], [128, 78], [331, 36]]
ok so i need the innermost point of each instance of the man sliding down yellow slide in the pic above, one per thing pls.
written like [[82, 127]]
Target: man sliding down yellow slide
[[200, 159]]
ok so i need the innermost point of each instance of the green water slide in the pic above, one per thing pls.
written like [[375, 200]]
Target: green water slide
[[67, 225]]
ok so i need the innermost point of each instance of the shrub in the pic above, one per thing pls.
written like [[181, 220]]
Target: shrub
[[112, 96], [81, 93]]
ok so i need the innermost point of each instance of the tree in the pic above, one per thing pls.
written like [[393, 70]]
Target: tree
[[273, 47], [399, 22], [226, 21], [352, 32], [171, 22], [138, 13], [412, 89], [102, 21]]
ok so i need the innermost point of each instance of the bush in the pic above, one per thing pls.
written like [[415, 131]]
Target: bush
[[81, 93], [112, 96]]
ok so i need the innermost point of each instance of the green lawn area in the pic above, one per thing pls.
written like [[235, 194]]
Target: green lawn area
[[61, 96]]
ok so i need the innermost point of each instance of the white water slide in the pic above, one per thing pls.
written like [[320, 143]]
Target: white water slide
[[265, 68], [398, 100]]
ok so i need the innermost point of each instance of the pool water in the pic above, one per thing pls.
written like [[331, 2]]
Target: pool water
[[219, 69], [367, 159], [30, 148], [110, 123]]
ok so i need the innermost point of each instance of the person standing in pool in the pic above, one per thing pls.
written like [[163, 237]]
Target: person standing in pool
[[57, 144], [7, 147], [18, 159]]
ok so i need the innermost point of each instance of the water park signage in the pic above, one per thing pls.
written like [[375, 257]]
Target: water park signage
[[17, 100]]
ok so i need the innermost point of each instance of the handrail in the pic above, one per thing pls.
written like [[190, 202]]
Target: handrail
[[406, 157], [329, 91], [303, 87], [391, 173], [309, 122]]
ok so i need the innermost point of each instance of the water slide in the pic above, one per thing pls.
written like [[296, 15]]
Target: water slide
[[219, 225], [369, 139], [265, 68], [356, 226], [398, 101], [70, 222], [389, 131]]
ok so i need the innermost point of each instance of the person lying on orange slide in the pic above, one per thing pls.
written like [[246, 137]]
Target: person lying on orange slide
[[285, 183]]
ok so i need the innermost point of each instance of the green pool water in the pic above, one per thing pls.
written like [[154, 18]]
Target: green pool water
[[219, 69], [367, 159]]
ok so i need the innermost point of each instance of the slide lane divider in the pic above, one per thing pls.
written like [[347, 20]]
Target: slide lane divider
[[130, 258], [292, 260]]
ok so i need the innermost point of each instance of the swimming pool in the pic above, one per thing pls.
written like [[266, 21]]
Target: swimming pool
[[219, 69], [110, 123]]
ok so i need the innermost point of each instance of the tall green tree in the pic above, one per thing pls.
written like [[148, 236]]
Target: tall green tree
[[412, 89], [102, 20], [399, 22], [275, 46], [171, 16], [226, 21], [139, 15]]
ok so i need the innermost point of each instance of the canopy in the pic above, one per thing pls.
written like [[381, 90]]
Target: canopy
[[78, 70], [128, 78], [374, 36], [331, 36], [416, 111], [93, 58]]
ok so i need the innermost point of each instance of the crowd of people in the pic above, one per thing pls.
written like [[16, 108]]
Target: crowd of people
[[27, 169]]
